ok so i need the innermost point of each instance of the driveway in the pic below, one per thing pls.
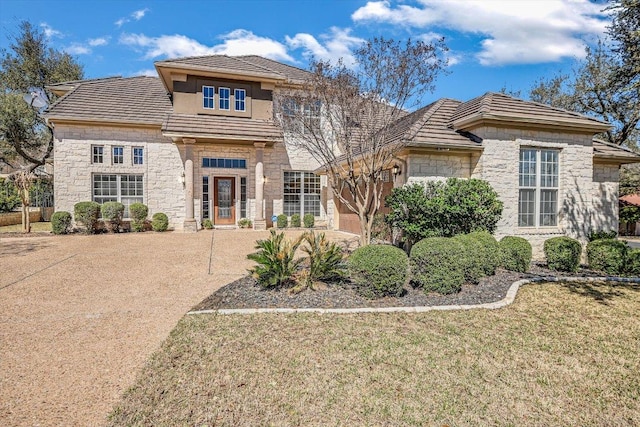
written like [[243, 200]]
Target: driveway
[[80, 315]]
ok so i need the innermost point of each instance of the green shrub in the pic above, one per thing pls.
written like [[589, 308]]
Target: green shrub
[[282, 221], [378, 270], [275, 258], [562, 253], [245, 223], [60, 222], [516, 254], [491, 254], [159, 222], [607, 255], [86, 214], [206, 223], [435, 265], [471, 258], [602, 234], [632, 264], [380, 229], [9, 197], [295, 220], [138, 213], [325, 258], [308, 220], [112, 213]]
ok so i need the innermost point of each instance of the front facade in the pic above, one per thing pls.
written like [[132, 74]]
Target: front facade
[[200, 142]]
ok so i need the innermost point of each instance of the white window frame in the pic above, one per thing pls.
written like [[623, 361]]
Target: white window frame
[[126, 199], [97, 157], [222, 99], [540, 189], [118, 157], [211, 98], [134, 156], [243, 100], [303, 194]]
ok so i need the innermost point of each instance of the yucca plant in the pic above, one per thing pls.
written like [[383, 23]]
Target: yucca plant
[[326, 260], [276, 260]]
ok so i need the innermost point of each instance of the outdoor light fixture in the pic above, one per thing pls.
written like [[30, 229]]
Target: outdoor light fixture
[[182, 178], [395, 170]]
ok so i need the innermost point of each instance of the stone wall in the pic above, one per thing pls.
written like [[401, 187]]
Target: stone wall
[[431, 166], [605, 195]]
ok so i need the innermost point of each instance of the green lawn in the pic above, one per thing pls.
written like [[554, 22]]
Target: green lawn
[[36, 227], [562, 354]]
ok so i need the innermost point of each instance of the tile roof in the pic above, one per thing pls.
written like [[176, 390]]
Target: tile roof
[[222, 127], [605, 150], [136, 100], [632, 199]]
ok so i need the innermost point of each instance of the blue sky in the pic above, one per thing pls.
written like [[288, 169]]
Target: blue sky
[[493, 44]]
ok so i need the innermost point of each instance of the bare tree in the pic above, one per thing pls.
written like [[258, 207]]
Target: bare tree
[[344, 115], [23, 180]]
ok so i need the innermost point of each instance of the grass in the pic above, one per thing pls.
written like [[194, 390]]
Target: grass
[[562, 354], [36, 227]]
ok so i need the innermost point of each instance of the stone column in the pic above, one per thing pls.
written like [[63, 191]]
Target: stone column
[[190, 224], [259, 223]]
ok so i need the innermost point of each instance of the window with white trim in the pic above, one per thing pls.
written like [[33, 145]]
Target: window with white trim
[[208, 97], [123, 188], [224, 93], [301, 193], [240, 96], [98, 153], [538, 188], [138, 155], [302, 118], [118, 155]]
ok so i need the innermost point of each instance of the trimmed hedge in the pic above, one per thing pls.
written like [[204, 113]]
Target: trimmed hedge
[[378, 270], [516, 254], [633, 262], [471, 258], [60, 222], [138, 213], [491, 255], [562, 253], [86, 214], [112, 213], [159, 222], [295, 220], [282, 221], [435, 265], [607, 255], [309, 220]]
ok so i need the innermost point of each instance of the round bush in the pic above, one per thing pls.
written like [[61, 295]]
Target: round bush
[[516, 254], [562, 253], [295, 220], [435, 265], [60, 222], [607, 255], [206, 223], [633, 262], [138, 213], [308, 220], [86, 214], [282, 221], [491, 255], [112, 213], [378, 270], [159, 222], [472, 259]]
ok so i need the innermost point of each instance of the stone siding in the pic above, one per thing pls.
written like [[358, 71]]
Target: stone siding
[[424, 167]]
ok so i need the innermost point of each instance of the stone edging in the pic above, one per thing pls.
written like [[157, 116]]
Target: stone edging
[[508, 299]]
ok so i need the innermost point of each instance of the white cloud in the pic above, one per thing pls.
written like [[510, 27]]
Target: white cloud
[[151, 72], [100, 41], [77, 49], [136, 15], [338, 44], [524, 31], [237, 42], [49, 32]]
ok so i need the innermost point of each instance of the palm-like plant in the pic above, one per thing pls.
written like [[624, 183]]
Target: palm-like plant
[[325, 258], [276, 260]]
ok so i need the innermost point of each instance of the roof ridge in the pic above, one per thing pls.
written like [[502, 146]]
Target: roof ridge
[[277, 62], [241, 58], [430, 110], [540, 104], [82, 81]]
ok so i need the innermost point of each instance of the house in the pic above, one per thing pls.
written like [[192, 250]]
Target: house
[[200, 141], [630, 201]]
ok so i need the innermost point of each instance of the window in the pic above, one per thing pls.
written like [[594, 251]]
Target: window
[[240, 95], [223, 94], [243, 197], [208, 162], [98, 154], [126, 189], [118, 155], [301, 193], [301, 118], [208, 96], [205, 197], [138, 155], [312, 117], [538, 188]]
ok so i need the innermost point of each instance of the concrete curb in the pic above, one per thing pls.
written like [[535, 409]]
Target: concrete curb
[[508, 299]]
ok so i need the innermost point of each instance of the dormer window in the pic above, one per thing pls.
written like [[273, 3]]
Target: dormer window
[[208, 97], [240, 95], [224, 93]]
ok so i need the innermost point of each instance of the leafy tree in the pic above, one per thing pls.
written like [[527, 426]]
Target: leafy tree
[[342, 116], [625, 31]]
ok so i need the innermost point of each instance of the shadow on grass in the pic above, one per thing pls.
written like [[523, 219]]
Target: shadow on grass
[[9, 247], [602, 292]]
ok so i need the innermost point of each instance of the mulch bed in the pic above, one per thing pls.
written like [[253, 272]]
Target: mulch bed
[[246, 293]]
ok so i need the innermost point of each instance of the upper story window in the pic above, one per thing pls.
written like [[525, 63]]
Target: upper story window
[[118, 155], [301, 118], [98, 154], [208, 96], [224, 94], [312, 116], [138, 155], [240, 96], [538, 188]]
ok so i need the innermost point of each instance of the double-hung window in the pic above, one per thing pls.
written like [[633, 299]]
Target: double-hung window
[[240, 96], [301, 193], [538, 188], [138, 155], [98, 154], [208, 97], [223, 96], [312, 116], [123, 188], [118, 155]]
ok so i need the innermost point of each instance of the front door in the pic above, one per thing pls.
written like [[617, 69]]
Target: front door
[[224, 195]]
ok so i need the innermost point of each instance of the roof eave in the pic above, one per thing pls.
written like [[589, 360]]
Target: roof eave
[[109, 122], [529, 121], [211, 136], [619, 160]]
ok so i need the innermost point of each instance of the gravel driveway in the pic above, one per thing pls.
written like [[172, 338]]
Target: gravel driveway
[[80, 315]]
